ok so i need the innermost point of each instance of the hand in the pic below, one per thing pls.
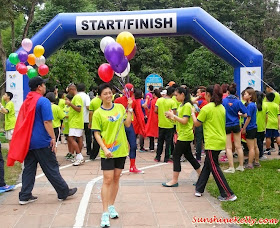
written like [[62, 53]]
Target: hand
[[169, 114], [52, 145], [108, 153], [145, 106], [67, 102], [89, 126], [243, 131], [129, 102]]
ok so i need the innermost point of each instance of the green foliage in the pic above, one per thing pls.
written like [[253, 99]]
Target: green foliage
[[65, 67]]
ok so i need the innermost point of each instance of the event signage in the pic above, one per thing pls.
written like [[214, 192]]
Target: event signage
[[155, 80], [136, 24], [250, 77]]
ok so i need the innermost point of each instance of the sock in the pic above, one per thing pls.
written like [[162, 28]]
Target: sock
[[79, 156]]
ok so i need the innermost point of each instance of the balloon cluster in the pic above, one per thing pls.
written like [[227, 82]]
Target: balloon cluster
[[117, 53], [36, 57]]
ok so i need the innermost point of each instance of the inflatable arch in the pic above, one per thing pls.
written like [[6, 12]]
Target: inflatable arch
[[195, 22]]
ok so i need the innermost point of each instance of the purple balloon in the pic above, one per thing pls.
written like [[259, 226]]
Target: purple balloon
[[114, 53], [23, 56], [121, 66]]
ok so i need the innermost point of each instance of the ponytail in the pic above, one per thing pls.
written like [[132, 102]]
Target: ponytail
[[216, 94], [186, 93]]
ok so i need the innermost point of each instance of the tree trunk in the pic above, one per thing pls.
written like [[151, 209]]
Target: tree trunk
[[30, 18], [13, 35]]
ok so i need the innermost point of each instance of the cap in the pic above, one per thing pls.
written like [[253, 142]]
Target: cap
[[163, 92], [129, 86], [35, 82], [171, 83]]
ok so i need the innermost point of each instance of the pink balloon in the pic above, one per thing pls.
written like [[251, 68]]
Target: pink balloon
[[27, 44], [132, 54]]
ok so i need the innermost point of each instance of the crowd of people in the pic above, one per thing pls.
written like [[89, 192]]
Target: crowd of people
[[209, 119]]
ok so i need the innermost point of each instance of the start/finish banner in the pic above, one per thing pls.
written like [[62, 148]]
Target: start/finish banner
[[136, 24]]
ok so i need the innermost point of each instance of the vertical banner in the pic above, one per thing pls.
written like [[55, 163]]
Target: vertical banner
[[14, 84], [251, 76], [153, 79]]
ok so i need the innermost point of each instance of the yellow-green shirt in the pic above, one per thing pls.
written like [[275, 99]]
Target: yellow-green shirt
[[65, 129], [273, 112], [261, 118], [10, 117], [164, 105], [176, 101], [276, 98], [95, 103], [214, 126], [185, 131], [61, 103], [76, 119], [58, 115]]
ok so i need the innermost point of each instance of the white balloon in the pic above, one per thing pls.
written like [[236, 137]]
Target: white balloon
[[40, 61], [125, 73], [105, 41], [29, 67]]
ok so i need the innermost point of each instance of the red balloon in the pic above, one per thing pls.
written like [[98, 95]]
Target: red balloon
[[132, 54], [105, 72], [43, 70], [21, 68]]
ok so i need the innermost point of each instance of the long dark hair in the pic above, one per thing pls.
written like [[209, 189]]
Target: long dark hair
[[260, 97], [216, 94], [186, 92], [232, 89]]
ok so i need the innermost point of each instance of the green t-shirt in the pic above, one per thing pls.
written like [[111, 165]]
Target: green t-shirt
[[177, 102], [76, 119], [261, 118], [10, 117], [110, 123], [65, 129], [164, 105], [276, 98], [273, 112], [61, 103], [214, 126], [95, 104], [185, 131], [58, 115]]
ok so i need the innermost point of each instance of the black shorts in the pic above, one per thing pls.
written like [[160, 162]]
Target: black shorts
[[251, 134], [112, 163], [233, 129]]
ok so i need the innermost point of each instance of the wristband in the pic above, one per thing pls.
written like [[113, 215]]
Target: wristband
[[130, 110]]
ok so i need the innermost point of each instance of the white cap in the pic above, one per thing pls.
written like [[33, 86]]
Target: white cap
[[163, 92]]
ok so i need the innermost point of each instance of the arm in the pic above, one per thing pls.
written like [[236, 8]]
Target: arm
[[246, 124], [90, 118], [49, 128], [76, 108], [127, 122], [156, 109], [87, 107], [99, 140], [3, 110], [172, 116], [196, 123], [278, 121]]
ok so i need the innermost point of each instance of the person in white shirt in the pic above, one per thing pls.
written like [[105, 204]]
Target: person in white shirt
[[86, 101]]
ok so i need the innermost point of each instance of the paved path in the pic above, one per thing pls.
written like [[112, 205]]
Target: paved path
[[141, 202]]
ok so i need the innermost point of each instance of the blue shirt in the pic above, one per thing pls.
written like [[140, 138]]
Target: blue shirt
[[233, 106], [40, 137], [251, 112]]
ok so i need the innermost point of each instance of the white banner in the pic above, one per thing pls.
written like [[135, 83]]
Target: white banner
[[14, 84], [135, 23], [250, 76]]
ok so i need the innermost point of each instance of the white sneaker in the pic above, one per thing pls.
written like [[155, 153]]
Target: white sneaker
[[78, 162], [229, 170], [197, 194], [262, 158], [240, 168]]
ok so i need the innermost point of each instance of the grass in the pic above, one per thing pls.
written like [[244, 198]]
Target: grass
[[258, 192], [11, 173]]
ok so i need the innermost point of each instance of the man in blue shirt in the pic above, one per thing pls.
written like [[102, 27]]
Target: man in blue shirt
[[41, 149]]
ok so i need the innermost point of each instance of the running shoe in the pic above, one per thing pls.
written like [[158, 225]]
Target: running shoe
[[230, 198], [105, 222], [7, 188], [78, 162], [197, 194], [229, 170], [112, 211], [30, 200]]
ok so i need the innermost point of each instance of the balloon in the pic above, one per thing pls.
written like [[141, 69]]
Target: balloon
[[23, 56], [13, 57], [26, 44], [114, 53], [39, 50], [29, 67], [31, 59], [105, 41], [120, 67], [105, 72], [31, 73], [40, 61], [43, 70], [21, 68], [126, 71], [126, 39], [132, 54]]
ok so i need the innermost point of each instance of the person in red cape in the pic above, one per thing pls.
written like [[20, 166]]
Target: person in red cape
[[34, 142], [130, 133], [152, 124]]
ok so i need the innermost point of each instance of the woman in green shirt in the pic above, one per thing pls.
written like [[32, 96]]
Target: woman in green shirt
[[108, 123], [184, 126], [213, 118]]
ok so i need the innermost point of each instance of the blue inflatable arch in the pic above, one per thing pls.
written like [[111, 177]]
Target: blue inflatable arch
[[195, 22]]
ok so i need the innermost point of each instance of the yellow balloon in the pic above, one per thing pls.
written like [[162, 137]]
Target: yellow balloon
[[127, 41], [39, 50]]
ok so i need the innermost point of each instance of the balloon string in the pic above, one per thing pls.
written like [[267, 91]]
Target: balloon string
[[118, 89], [3, 84], [51, 34]]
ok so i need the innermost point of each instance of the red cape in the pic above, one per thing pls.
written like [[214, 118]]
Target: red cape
[[20, 142], [139, 122], [152, 124]]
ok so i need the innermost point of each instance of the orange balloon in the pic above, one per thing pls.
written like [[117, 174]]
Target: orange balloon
[[31, 59]]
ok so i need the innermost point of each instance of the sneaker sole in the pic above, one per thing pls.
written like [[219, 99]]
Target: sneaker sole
[[27, 202]]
